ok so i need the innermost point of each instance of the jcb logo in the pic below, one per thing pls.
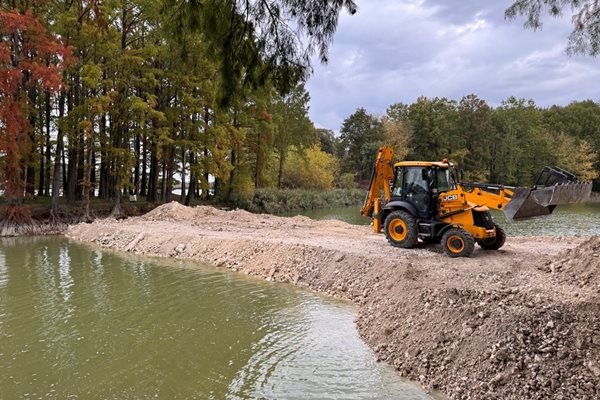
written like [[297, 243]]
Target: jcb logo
[[451, 197]]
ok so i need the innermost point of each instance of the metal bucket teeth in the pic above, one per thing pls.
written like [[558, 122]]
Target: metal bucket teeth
[[541, 200]]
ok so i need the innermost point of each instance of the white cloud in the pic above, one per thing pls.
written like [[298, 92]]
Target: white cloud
[[394, 51]]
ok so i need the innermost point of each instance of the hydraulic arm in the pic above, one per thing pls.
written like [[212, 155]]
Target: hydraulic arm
[[491, 196], [381, 176]]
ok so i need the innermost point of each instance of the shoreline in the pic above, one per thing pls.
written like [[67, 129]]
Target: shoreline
[[468, 328]]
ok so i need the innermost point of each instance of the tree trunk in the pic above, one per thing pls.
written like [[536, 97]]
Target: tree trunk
[[189, 200], [143, 185], [57, 159], [30, 169], [281, 163], [42, 148], [163, 180], [182, 197], [48, 154], [153, 176], [87, 175], [138, 164]]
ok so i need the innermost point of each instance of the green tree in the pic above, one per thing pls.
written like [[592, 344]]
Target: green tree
[[475, 125], [293, 127], [433, 122], [522, 146], [361, 134], [328, 142]]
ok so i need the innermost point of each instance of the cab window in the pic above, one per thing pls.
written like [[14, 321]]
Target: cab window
[[443, 180], [399, 178]]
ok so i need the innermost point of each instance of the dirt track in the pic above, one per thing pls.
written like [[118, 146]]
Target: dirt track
[[523, 322]]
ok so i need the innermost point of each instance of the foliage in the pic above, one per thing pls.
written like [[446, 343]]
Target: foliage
[[279, 201], [509, 144], [255, 40], [100, 100], [585, 37], [314, 169], [30, 59], [360, 136]]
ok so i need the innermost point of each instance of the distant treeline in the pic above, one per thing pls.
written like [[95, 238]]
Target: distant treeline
[[509, 144]]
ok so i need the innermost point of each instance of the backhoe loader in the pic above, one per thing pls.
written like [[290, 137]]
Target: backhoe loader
[[426, 200]]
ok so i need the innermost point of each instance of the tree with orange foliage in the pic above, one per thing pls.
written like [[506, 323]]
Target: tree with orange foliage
[[30, 59]]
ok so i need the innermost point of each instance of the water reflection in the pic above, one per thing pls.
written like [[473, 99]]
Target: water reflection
[[83, 323], [3, 270], [64, 273]]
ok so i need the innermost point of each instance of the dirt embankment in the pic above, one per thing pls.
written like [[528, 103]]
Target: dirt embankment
[[520, 323]]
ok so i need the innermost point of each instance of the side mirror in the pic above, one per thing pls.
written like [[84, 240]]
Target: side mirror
[[462, 175]]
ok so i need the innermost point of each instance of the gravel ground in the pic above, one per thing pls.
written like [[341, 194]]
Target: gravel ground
[[519, 323]]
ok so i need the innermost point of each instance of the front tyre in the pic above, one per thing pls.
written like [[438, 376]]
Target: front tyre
[[401, 229], [458, 243], [493, 243]]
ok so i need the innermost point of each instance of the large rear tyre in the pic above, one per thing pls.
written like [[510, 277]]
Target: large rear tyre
[[493, 243], [401, 229], [458, 243]]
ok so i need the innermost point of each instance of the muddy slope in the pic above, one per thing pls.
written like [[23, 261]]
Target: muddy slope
[[522, 323]]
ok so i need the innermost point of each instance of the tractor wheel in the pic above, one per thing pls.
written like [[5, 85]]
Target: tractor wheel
[[401, 229], [458, 243], [493, 243]]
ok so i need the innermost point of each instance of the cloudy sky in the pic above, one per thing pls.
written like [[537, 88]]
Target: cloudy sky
[[397, 50]]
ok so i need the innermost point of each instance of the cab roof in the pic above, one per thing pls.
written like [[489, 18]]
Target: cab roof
[[439, 164]]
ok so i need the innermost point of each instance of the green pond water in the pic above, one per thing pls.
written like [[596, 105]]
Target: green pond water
[[568, 220], [77, 322]]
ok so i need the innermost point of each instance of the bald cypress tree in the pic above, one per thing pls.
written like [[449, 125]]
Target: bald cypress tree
[[585, 37]]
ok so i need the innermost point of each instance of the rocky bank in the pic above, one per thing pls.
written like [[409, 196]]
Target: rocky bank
[[519, 323]]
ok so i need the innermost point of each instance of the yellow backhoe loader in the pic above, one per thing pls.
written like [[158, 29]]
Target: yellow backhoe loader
[[426, 200]]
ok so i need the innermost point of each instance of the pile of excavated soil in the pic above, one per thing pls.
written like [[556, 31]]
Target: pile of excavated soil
[[495, 325], [579, 266]]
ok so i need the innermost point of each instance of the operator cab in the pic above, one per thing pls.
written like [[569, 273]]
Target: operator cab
[[421, 183]]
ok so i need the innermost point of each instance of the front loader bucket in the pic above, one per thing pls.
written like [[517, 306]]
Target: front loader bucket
[[537, 201], [557, 187]]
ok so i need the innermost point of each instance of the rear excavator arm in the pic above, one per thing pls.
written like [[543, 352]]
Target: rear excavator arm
[[382, 174]]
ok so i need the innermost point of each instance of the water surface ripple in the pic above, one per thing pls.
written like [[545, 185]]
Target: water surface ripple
[[76, 322]]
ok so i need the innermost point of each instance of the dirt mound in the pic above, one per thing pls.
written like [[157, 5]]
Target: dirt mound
[[172, 211], [235, 219], [579, 266], [487, 344], [496, 325], [176, 212]]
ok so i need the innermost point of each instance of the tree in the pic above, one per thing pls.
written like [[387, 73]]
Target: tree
[[361, 134], [475, 125], [309, 169], [585, 37], [523, 147], [257, 40], [575, 155], [327, 140], [293, 126], [433, 123], [30, 60], [397, 134]]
